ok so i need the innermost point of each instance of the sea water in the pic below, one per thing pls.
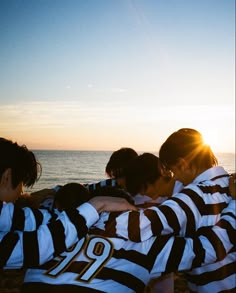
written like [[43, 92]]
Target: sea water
[[61, 167]]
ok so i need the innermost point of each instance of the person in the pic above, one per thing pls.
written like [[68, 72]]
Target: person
[[117, 163], [29, 237], [114, 170], [101, 264], [199, 204], [146, 183], [149, 186]]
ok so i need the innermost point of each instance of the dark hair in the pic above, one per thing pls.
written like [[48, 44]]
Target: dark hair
[[112, 191], [144, 169], [118, 161], [71, 195], [22, 162], [187, 143]]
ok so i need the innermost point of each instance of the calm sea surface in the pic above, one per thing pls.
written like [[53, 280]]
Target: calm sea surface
[[61, 167]]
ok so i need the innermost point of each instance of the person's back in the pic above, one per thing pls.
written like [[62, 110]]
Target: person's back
[[111, 264], [199, 204], [98, 263]]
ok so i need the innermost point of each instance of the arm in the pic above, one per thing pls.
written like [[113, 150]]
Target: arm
[[27, 219], [211, 244], [29, 249], [182, 214]]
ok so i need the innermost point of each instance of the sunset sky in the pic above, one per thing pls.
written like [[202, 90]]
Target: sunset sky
[[102, 74]]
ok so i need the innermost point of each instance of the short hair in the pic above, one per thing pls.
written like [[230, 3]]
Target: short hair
[[71, 195], [112, 191], [187, 143], [143, 170], [118, 161], [22, 162]]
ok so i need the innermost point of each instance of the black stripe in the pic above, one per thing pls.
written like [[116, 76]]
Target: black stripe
[[57, 231], [171, 218], [219, 176], [215, 241], [214, 209], [156, 224], [159, 244], [214, 189], [7, 245], [134, 226], [176, 254], [204, 209], [199, 251], [110, 225], [78, 221], [216, 275], [48, 265], [190, 222], [229, 214], [48, 288], [38, 217], [123, 278], [18, 219], [1, 205], [30, 249], [230, 230]]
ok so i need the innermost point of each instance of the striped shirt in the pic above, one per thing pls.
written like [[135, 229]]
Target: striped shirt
[[101, 264], [28, 238], [198, 205]]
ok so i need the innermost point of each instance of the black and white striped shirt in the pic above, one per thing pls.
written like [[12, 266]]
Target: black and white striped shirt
[[198, 205], [101, 264], [30, 237]]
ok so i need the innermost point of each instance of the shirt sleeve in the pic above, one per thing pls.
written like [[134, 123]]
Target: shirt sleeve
[[182, 215], [210, 244], [32, 248]]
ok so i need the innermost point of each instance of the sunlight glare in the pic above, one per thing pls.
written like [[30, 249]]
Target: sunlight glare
[[211, 139]]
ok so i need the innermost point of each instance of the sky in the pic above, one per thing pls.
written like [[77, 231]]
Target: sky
[[104, 74]]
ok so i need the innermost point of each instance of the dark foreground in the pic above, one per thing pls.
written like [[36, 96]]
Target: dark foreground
[[11, 280]]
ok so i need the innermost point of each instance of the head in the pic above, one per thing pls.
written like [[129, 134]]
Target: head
[[186, 155], [117, 162], [18, 168], [113, 192], [71, 195], [145, 175]]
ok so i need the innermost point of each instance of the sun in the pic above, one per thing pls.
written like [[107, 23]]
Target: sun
[[211, 139]]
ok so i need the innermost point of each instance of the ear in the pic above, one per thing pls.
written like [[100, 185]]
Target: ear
[[6, 177]]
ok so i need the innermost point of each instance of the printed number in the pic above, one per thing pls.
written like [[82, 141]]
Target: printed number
[[97, 249]]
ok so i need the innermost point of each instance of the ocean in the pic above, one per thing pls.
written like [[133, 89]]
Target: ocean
[[61, 167]]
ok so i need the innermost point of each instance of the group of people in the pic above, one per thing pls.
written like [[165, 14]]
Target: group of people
[[152, 217]]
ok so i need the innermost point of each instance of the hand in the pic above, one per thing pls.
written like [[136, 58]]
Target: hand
[[232, 185], [111, 204]]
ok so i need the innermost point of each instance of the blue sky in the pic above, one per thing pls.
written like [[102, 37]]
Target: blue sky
[[101, 74]]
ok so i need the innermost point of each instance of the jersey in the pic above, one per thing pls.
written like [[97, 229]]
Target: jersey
[[43, 235], [197, 205], [112, 264]]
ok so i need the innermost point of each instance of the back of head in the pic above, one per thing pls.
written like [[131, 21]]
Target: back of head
[[113, 192], [71, 195], [118, 161], [144, 169], [22, 162], [189, 144]]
